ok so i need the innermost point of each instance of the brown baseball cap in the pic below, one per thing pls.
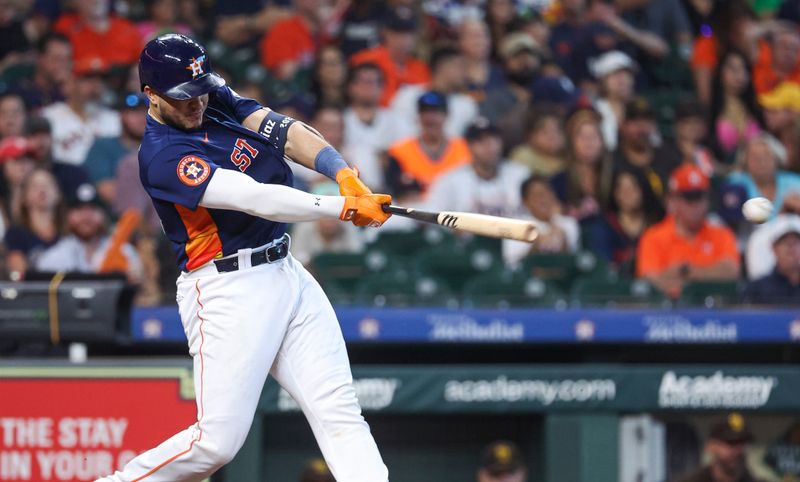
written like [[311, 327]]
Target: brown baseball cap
[[731, 428], [502, 457]]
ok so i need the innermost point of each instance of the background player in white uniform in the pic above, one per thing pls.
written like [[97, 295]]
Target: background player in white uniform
[[213, 164]]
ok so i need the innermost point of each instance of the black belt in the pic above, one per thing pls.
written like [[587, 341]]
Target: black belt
[[274, 253]]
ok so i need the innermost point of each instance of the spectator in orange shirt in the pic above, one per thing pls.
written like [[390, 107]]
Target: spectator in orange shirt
[[289, 48], [413, 164], [99, 39], [395, 55], [686, 246], [778, 58]]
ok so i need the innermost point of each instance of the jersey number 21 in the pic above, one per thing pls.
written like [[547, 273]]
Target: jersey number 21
[[243, 154]]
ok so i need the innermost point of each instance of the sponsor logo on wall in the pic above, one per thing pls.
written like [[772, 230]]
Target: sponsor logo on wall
[[714, 391], [462, 327], [545, 392], [669, 328]]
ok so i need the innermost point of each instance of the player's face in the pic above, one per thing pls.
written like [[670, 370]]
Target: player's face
[[181, 114]]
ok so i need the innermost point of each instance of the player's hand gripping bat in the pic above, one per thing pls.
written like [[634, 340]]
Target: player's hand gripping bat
[[492, 226]]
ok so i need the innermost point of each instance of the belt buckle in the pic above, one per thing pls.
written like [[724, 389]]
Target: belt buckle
[[277, 252]]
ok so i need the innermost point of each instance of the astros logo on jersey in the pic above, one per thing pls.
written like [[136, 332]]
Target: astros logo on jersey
[[193, 171], [197, 66]]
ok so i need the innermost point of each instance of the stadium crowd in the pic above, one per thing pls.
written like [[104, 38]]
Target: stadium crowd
[[630, 129]]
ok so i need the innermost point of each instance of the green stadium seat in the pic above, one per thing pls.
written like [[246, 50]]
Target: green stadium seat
[[455, 264], [506, 289], [408, 243], [612, 290], [558, 268], [710, 294], [340, 270], [403, 288]]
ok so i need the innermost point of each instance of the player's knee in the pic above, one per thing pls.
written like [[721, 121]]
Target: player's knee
[[221, 441]]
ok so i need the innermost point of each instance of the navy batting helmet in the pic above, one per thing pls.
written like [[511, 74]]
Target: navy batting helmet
[[178, 67]]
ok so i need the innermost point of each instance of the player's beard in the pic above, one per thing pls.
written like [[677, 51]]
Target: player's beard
[[178, 123]]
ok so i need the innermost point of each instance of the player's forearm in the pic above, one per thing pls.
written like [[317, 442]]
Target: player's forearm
[[228, 189], [302, 143]]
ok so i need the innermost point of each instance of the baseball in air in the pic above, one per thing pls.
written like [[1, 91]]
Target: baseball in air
[[757, 210]]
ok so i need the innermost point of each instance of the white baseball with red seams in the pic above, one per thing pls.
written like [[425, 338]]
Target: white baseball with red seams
[[757, 210]]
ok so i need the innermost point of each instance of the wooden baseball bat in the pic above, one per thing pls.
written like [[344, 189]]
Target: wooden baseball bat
[[482, 224]]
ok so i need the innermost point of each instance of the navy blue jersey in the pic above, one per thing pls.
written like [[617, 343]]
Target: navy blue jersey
[[175, 167]]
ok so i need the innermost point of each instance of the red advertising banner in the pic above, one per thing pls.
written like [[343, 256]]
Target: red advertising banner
[[73, 428]]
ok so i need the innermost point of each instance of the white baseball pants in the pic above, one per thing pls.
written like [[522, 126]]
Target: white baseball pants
[[240, 325]]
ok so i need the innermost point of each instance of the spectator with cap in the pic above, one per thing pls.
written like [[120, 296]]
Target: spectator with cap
[[501, 461], [488, 184], [686, 246], [106, 152], [557, 233], [395, 54], [506, 106], [543, 149], [52, 70], [781, 107], [726, 446], [759, 256], [369, 129], [414, 164], [448, 77], [316, 470], [636, 147], [615, 72], [86, 245], [80, 119], [37, 221], [289, 48], [557, 90], [12, 115], [98, 37], [760, 171], [782, 285]]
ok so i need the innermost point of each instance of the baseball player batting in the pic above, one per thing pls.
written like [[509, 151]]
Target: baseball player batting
[[214, 165]]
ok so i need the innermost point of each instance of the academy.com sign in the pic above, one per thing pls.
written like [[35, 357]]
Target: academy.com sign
[[544, 392], [714, 391]]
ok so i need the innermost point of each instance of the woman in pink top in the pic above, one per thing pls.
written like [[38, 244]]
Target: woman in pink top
[[735, 114]]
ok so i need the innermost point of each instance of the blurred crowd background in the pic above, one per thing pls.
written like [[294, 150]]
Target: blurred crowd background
[[629, 131]]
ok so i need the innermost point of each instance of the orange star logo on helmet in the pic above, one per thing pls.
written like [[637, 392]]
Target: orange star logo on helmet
[[193, 171], [196, 66]]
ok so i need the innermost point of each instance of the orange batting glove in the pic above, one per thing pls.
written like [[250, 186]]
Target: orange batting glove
[[350, 184], [366, 210]]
